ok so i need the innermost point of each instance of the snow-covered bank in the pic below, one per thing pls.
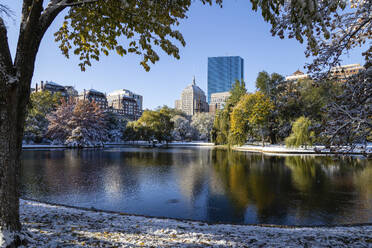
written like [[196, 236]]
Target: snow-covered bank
[[281, 149], [269, 149], [170, 144], [42, 146], [193, 143], [130, 143], [56, 226]]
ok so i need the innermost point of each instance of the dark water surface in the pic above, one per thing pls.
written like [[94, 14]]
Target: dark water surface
[[204, 184]]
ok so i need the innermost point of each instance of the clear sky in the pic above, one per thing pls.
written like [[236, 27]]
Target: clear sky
[[234, 30]]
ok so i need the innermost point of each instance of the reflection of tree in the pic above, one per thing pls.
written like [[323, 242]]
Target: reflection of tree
[[311, 171], [309, 189], [253, 179], [363, 181], [304, 172], [328, 184], [147, 157]]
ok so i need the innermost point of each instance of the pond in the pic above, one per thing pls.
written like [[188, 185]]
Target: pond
[[204, 183]]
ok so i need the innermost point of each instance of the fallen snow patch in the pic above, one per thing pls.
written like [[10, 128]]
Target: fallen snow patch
[[56, 226]]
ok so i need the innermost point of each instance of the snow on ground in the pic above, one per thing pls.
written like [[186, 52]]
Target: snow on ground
[[57, 226], [277, 149]]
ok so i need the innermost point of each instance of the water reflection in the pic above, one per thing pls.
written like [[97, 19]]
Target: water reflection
[[204, 184]]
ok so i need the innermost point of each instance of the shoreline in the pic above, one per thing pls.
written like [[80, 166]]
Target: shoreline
[[201, 222], [269, 149], [53, 225], [282, 150]]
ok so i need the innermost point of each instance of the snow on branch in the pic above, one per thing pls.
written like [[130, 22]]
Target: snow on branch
[[349, 117]]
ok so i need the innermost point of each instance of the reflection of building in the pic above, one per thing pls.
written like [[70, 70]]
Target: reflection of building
[[96, 96], [297, 75], [126, 103], [218, 101], [223, 72], [193, 100], [52, 87], [345, 71]]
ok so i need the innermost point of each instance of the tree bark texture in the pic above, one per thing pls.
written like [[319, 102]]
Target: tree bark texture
[[14, 95], [15, 83], [11, 132]]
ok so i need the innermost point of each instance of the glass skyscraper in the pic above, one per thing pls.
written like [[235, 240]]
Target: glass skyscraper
[[222, 73]]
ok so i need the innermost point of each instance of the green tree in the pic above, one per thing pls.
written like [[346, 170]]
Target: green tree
[[115, 125], [237, 91], [292, 100], [172, 112], [155, 125], [41, 104], [269, 84], [301, 134], [251, 113], [272, 86], [221, 126], [130, 133]]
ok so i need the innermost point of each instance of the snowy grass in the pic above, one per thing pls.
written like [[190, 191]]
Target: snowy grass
[[281, 149], [57, 226]]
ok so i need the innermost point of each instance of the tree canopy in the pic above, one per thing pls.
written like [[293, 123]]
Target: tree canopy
[[301, 134], [250, 113], [98, 27]]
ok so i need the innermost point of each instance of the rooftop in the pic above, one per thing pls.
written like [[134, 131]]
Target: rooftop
[[52, 83], [193, 87]]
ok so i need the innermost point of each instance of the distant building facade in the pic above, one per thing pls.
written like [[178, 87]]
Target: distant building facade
[[218, 101], [193, 100], [296, 76], [178, 104], [126, 103], [96, 96], [52, 87], [71, 92], [223, 72], [341, 73]]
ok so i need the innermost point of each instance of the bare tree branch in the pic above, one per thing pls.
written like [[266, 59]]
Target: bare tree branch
[[5, 10], [29, 34], [70, 4]]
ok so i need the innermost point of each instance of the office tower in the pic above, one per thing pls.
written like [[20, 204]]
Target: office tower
[[223, 72]]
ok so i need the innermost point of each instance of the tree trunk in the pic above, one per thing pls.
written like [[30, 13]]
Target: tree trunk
[[15, 82], [12, 115], [272, 137]]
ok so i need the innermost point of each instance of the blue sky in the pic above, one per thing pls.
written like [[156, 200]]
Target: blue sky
[[209, 31]]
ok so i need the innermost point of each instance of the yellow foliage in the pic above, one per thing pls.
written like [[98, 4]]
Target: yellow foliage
[[251, 111]]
